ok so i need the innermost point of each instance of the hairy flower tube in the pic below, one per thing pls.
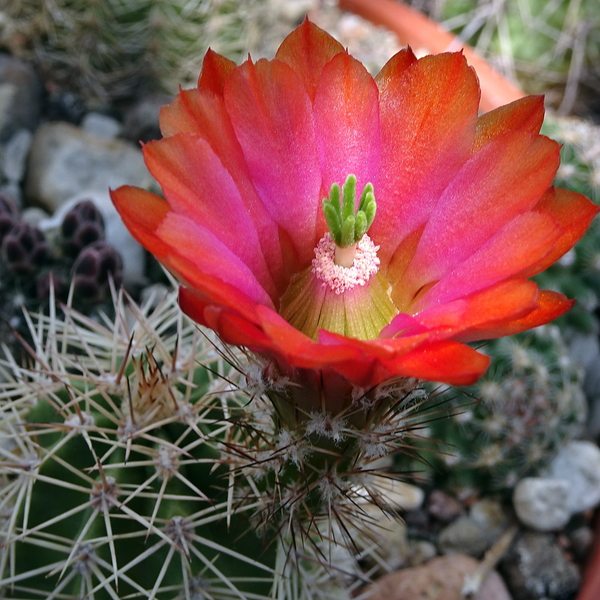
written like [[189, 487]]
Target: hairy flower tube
[[273, 171]]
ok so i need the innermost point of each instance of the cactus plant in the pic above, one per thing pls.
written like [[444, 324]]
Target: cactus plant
[[512, 422], [140, 458], [127, 46]]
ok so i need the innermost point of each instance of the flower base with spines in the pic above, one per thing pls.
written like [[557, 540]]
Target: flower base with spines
[[138, 456]]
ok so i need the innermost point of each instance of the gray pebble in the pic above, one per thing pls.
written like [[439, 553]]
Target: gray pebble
[[535, 568], [20, 96], [15, 153], [100, 125], [475, 533]]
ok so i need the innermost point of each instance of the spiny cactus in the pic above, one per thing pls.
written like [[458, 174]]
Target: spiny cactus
[[141, 458], [124, 46], [512, 421]]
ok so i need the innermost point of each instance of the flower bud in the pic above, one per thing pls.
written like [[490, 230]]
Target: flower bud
[[24, 249], [83, 225], [94, 267]]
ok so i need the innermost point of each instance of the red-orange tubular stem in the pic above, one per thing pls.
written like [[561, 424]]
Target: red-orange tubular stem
[[420, 32]]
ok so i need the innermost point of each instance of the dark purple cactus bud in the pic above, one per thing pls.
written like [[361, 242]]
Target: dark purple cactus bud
[[9, 216], [24, 249], [83, 225], [93, 268]]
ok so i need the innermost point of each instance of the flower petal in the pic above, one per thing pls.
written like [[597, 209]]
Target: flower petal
[[205, 309], [574, 213], [394, 67], [307, 50], [142, 212], [498, 304], [209, 256], [550, 306], [196, 185], [525, 114], [202, 112], [146, 214], [272, 117], [347, 123], [444, 361], [428, 117], [215, 71], [504, 179], [524, 241]]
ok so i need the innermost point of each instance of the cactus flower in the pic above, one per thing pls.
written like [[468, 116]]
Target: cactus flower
[[350, 226]]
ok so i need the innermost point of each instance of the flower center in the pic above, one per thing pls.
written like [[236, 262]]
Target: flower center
[[340, 277], [342, 290]]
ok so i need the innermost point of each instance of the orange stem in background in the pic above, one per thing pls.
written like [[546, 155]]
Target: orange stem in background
[[420, 32]]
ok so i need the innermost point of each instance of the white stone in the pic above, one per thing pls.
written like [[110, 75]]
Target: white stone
[[101, 125], [578, 463], [65, 161], [541, 503]]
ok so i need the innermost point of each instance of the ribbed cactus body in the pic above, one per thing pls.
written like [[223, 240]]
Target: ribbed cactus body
[[141, 458], [125, 47], [513, 421]]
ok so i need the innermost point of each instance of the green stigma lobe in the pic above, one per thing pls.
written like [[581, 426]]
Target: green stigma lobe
[[346, 226]]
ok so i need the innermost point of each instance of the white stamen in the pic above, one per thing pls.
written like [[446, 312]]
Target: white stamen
[[339, 278]]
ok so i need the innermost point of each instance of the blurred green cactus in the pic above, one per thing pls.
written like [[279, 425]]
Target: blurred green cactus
[[510, 423], [125, 47]]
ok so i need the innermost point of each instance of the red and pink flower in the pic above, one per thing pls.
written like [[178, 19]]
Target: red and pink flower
[[465, 211]]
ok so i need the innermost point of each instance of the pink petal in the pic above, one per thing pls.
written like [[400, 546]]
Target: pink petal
[[574, 214], [347, 123], [203, 112], [519, 244], [445, 361], [196, 185], [550, 306], [504, 179], [394, 67], [272, 117], [209, 255], [428, 117], [501, 303]]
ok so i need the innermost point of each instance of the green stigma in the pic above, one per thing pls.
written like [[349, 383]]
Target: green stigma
[[346, 226]]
